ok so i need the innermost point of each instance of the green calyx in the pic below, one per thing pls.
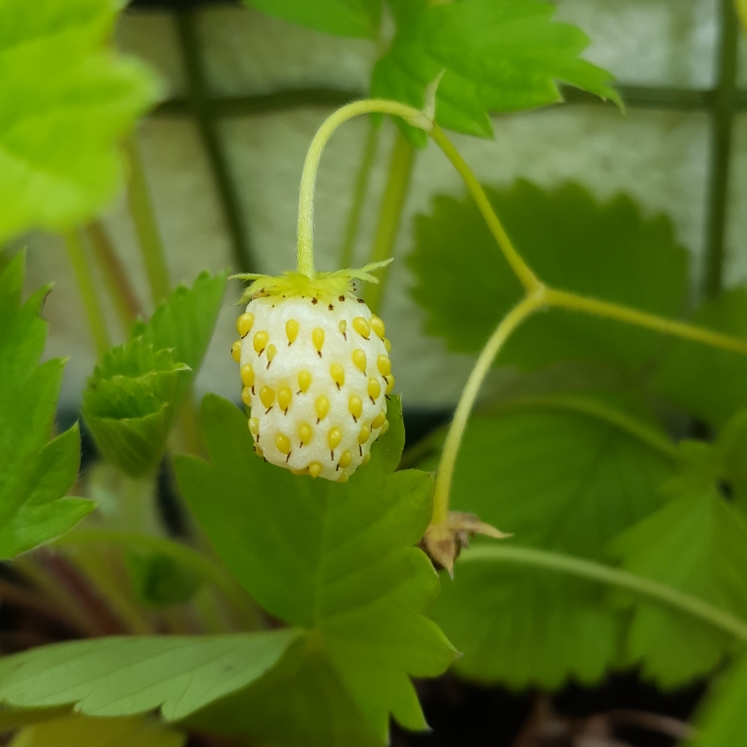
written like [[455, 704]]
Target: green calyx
[[324, 285]]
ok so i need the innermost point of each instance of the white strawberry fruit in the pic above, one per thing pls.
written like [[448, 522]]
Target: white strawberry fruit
[[315, 370]]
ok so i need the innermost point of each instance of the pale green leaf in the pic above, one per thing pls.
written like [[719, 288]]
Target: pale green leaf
[[335, 559], [356, 18], [35, 472], [67, 100], [561, 480], [79, 731], [496, 57], [572, 241], [697, 543], [709, 383], [121, 676]]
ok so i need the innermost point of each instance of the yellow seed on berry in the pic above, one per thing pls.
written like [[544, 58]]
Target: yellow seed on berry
[[246, 396], [236, 351], [364, 435], [334, 437], [266, 396], [366, 458], [387, 345], [304, 381], [378, 421], [305, 433], [384, 365], [385, 427], [343, 326], [374, 388], [322, 407], [291, 330], [355, 406], [343, 478], [284, 398], [389, 383], [317, 337], [258, 450], [244, 324], [283, 443], [272, 351], [345, 459], [360, 325], [377, 325], [315, 469], [254, 426], [337, 372], [247, 375], [261, 339], [359, 360], [299, 472]]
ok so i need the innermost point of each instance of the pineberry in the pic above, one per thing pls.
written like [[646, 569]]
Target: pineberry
[[315, 369]]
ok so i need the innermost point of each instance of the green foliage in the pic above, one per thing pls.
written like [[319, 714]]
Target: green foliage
[[76, 731], [119, 676], [559, 479], [603, 250], [732, 453], [36, 472], [697, 543], [709, 383], [356, 18], [723, 720], [334, 559], [66, 103], [497, 57], [134, 395], [160, 580]]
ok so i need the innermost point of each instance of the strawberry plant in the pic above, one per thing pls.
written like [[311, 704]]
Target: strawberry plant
[[280, 569]]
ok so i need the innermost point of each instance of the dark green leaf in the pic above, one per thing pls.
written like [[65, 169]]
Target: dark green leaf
[[497, 57], [72, 102], [707, 382], [561, 480], [732, 449], [160, 580], [119, 676], [696, 543], [573, 242], [335, 559], [35, 473], [134, 395], [357, 18]]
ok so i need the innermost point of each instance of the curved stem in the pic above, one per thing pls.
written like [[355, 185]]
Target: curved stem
[[567, 300], [87, 287], [311, 167], [188, 557], [522, 270], [359, 196], [446, 465], [589, 569], [392, 204]]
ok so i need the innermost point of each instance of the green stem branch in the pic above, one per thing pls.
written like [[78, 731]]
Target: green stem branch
[[445, 471], [188, 557], [390, 216], [87, 287], [588, 569], [359, 196], [144, 217]]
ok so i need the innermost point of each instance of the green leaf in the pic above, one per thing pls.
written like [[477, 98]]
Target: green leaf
[[124, 676], [560, 479], [723, 720], [133, 398], [697, 543], [606, 250], [356, 18], [68, 100], [76, 731], [35, 473], [497, 57], [732, 449], [707, 382], [160, 580], [337, 560]]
